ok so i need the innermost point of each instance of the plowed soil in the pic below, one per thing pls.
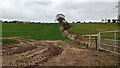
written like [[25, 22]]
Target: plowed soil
[[54, 53]]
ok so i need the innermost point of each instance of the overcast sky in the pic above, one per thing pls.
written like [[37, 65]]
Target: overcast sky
[[46, 10]]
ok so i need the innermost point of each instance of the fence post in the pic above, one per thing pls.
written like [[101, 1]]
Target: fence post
[[98, 41], [89, 41], [96, 44]]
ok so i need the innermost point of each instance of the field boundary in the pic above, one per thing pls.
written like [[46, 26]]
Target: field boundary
[[95, 43]]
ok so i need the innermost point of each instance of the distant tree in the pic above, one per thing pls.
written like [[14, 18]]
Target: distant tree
[[84, 22], [114, 21], [106, 20], [78, 22], [102, 20], [20, 22], [10, 21], [90, 22], [73, 22], [109, 20], [32, 22], [6, 22], [15, 21]]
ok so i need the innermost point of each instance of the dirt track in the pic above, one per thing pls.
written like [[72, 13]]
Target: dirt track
[[54, 53]]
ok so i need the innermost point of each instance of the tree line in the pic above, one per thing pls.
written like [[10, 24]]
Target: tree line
[[18, 21], [102, 21]]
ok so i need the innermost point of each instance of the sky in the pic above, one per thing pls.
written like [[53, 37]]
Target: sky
[[46, 10]]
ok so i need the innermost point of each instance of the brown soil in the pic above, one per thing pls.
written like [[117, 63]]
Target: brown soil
[[54, 53]]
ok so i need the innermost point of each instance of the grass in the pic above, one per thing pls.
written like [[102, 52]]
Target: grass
[[9, 41], [110, 35], [92, 28], [32, 31], [52, 32]]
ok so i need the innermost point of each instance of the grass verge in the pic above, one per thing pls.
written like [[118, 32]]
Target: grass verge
[[9, 41]]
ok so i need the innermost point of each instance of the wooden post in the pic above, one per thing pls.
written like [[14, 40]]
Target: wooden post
[[96, 44], [89, 41], [98, 41]]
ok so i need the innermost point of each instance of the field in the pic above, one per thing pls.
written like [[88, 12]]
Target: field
[[49, 46], [51, 31], [33, 31], [92, 28]]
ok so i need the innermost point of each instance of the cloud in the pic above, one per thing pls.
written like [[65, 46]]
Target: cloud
[[60, 0], [88, 10], [26, 11], [42, 10]]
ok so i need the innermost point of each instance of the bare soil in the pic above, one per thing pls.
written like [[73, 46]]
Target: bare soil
[[54, 53]]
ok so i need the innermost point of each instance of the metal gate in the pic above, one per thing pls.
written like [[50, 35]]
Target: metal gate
[[109, 41]]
